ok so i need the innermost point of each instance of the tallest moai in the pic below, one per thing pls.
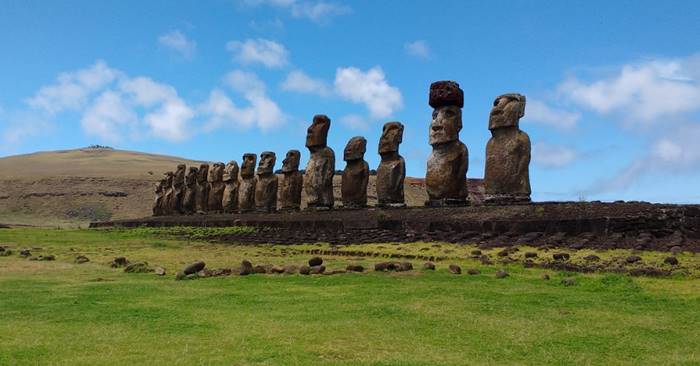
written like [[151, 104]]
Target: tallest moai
[[446, 176], [318, 178]]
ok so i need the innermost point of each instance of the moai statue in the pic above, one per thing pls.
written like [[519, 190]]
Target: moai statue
[[292, 182], [160, 194], [246, 190], [178, 189], [189, 199], [202, 196], [392, 169], [216, 188], [318, 178], [446, 177], [230, 200], [168, 194], [266, 184], [356, 174], [507, 177]]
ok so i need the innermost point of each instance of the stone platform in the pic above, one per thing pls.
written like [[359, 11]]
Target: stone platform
[[636, 225]]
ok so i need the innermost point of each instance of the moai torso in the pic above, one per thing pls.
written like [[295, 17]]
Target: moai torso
[[318, 178], [246, 190], [230, 199], [266, 184], [292, 182], [506, 175], [158, 203], [168, 194], [446, 174], [392, 168], [178, 189], [202, 193], [189, 197], [356, 174], [216, 188]]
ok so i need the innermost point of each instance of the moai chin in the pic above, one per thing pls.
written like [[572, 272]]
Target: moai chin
[[392, 168], [318, 178], [216, 188], [506, 176], [189, 198], [246, 190], [168, 194], [230, 199], [160, 194], [178, 189], [266, 184], [446, 176], [292, 182], [202, 193], [356, 174]]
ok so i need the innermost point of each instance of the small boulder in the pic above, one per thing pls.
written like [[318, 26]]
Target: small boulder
[[671, 260], [138, 267], [81, 259], [194, 268], [568, 281], [291, 269], [473, 271], [354, 268], [454, 269], [381, 266], [591, 258], [246, 268], [304, 270], [485, 260], [317, 269], [315, 261], [119, 262], [277, 270], [405, 266], [503, 253], [25, 253], [429, 266], [180, 276], [561, 256], [633, 259], [530, 255], [501, 274], [159, 271], [262, 268], [6, 253]]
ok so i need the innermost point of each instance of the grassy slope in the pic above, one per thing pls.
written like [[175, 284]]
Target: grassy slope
[[60, 313]]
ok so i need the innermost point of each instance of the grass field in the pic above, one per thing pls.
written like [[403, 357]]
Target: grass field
[[61, 313]]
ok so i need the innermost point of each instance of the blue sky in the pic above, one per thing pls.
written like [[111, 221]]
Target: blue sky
[[613, 88]]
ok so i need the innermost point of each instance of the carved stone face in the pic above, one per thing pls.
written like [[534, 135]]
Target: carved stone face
[[216, 173], [355, 149], [169, 179], [507, 111], [317, 134], [191, 177], [446, 124], [248, 165], [291, 161], [231, 171], [202, 173], [392, 136], [267, 162]]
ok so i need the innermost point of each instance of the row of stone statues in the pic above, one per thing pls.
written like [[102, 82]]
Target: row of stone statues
[[506, 179]]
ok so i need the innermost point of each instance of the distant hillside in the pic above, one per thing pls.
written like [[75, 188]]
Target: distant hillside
[[77, 186]]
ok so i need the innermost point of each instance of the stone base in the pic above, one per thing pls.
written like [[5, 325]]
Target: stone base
[[353, 207], [391, 205], [265, 210], [318, 208], [289, 209], [505, 200], [447, 202]]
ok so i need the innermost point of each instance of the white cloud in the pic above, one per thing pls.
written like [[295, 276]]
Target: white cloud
[[641, 93], [370, 88], [20, 126], [177, 41], [262, 112], [539, 112], [259, 51], [298, 81], [552, 156], [418, 48], [108, 112], [72, 89], [317, 11], [355, 122]]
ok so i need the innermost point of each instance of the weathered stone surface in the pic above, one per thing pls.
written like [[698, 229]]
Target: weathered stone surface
[[292, 182], [194, 267], [454, 269], [304, 270], [246, 191], [168, 194], [159, 271], [318, 177], [446, 176], [81, 259], [317, 269], [229, 201], [354, 268], [392, 168], [216, 188], [429, 266], [25, 253], [159, 202], [119, 262], [138, 267], [202, 195], [246, 268], [315, 261], [356, 174], [189, 200], [266, 184], [178, 189], [506, 176]]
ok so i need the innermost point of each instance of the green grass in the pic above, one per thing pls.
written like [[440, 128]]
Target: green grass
[[60, 313]]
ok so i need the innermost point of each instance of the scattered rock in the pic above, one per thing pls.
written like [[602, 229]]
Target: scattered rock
[[671, 260], [455, 269], [246, 268], [545, 277], [262, 268], [501, 274], [159, 271], [354, 268], [591, 258], [81, 259], [485, 260], [381, 266], [333, 272], [429, 266], [568, 281], [317, 269], [561, 256], [139, 267], [530, 255], [473, 271], [180, 276], [315, 261], [49, 257], [194, 268], [304, 270], [277, 269], [633, 259], [291, 269], [405, 266], [25, 253], [119, 262], [5, 253]]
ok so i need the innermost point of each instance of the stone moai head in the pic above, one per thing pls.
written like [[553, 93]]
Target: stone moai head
[[231, 171], [291, 161], [191, 177], [317, 133], [267, 163], [447, 99], [202, 173], [355, 149], [507, 111], [179, 177], [216, 173], [392, 136], [248, 165], [169, 179]]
